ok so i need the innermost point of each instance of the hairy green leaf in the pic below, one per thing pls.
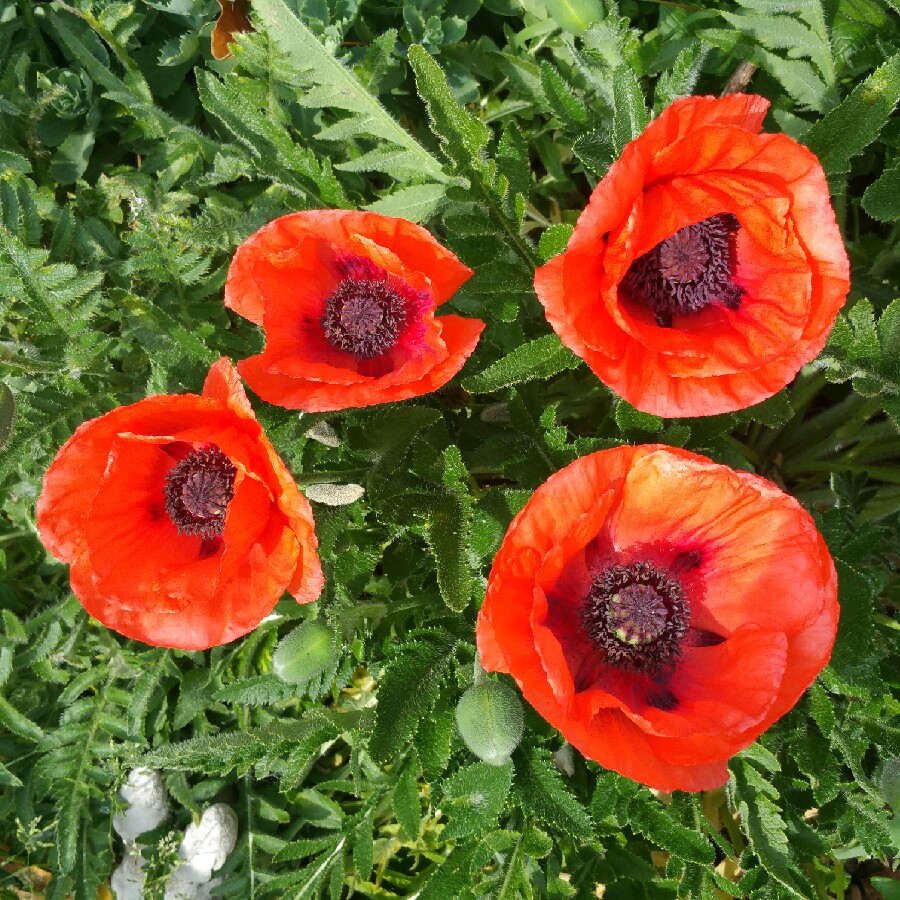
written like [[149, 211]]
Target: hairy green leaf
[[541, 358], [541, 792], [406, 693], [849, 129]]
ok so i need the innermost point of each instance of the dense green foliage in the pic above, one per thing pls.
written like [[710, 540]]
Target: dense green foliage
[[132, 165]]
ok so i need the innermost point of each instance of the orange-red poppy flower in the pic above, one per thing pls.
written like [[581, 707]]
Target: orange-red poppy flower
[[660, 610], [707, 267], [181, 524], [347, 301]]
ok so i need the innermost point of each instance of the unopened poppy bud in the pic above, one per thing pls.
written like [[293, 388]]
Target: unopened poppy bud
[[489, 717], [306, 652]]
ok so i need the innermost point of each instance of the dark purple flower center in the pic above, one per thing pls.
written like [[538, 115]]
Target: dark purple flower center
[[636, 617], [688, 271], [364, 316], [198, 490]]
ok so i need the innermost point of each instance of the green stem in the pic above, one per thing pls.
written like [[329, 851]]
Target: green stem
[[103, 32]]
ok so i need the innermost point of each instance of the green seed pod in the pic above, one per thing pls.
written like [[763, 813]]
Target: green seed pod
[[304, 653], [489, 717], [574, 16]]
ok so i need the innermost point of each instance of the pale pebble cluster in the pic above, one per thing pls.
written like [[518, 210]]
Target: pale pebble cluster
[[204, 847]]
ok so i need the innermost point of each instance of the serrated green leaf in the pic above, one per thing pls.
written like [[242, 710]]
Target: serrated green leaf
[[512, 160], [554, 240], [630, 419], [542, 794], [541, 358], [680, 80], [18, 723], [406, 692], [889, 782], [9, 778], [407, 809], [12, 162], [272, 148], [888, 329], [448, 524], [433, 743], [882, 197], [337, 85], [560, 97], [363, 849], [856, 624], [67, 828], [454, 875], [849, 129], [416, 202], [762, 820], [474, 797], [648, 816], [774, 412], [7, 413], [213, 755], [783, 32], [596, 151], [463, 138], [630, 116], [306, 847], [258, 690]]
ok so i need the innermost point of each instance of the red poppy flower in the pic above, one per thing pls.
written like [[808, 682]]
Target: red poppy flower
[[347, 301], [181, 524], [707, 267], [660, 610]]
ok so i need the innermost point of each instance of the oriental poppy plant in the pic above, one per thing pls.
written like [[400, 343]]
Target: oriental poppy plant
[[660, 610], [347, 301], [707, 267], [181, 524]]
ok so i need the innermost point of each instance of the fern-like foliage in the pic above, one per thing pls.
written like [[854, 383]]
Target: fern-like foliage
[[787, 38]]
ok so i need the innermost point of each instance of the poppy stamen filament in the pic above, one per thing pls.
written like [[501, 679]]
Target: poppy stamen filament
[[636, 617], [198, 490], [688, 271]]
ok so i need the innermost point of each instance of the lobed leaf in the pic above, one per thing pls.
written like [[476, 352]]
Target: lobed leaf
[[540, 358], [406, 692]]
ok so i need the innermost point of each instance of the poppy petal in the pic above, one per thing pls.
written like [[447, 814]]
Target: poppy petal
[[284, 277], [103, 509], [758, 592], [701, 159]]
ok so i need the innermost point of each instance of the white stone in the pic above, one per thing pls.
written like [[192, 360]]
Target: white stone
[[145, 793], [206, 845], [179, 888], [128, 879]]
